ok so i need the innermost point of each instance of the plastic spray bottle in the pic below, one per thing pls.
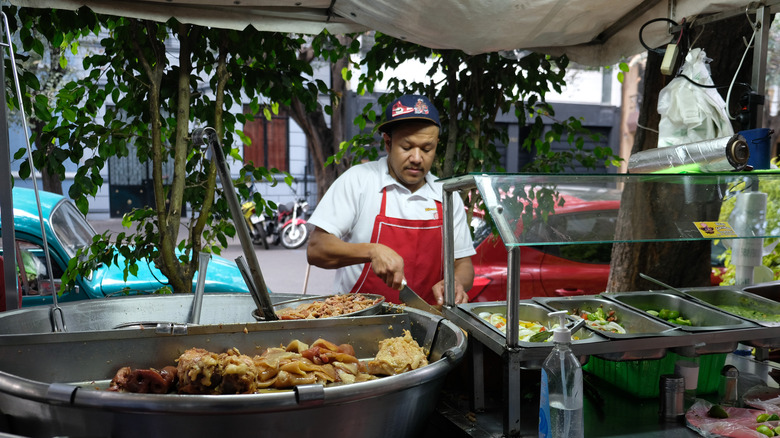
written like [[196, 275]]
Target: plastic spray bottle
[[560, 404]]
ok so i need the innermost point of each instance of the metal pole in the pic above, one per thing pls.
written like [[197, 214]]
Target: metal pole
[[448, 249], [197, 303], [6, 200], [448, 239], [57, 320], [306, 278]]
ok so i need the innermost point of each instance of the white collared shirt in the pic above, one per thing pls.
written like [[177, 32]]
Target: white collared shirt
[[349, 208]]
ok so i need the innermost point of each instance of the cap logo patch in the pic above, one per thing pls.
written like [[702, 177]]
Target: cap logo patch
[[400, 109]]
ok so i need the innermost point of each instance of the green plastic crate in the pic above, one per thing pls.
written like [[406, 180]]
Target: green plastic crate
[[641, 377]]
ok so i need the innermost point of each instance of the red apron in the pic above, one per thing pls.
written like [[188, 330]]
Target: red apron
[[418, 242]]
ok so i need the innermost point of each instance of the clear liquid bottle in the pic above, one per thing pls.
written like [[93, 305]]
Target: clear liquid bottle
[[560, 405]]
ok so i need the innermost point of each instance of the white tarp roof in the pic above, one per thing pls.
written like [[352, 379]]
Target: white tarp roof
[[591, 32]]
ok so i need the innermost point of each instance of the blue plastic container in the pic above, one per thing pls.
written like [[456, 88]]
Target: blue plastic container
[[758, 143]]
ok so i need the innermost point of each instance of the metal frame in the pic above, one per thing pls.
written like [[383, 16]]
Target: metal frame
[[12, 298], [515, 357]]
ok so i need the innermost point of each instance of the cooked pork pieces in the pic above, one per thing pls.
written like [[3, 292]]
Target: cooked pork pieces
[[149, 381], [397, 355], [200, 371], [332, 306]]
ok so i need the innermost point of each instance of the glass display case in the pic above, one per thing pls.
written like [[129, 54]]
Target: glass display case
[[737, 207]]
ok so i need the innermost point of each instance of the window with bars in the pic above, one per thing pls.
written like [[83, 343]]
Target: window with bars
[[270, 141]]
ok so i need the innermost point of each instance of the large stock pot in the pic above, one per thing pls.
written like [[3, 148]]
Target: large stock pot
[[51, 383], [146, 311]]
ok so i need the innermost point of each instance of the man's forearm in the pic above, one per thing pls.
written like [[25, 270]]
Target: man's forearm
[[464, 272], [329, 252]]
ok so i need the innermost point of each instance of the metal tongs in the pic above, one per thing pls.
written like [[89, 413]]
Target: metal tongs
[[249, 267], [660, 283]]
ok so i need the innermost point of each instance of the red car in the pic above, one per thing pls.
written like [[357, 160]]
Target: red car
[[551, 269]]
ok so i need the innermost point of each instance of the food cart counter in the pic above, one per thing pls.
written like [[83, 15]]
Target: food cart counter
[[510, 198]]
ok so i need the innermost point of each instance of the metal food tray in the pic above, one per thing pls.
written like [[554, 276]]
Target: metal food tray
[[528, 311], [728, 295], [703, 318], [636, 324], [770, 290], [372, 310]]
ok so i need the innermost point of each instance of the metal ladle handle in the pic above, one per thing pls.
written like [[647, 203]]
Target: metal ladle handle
[[258, 289], [660, 283]]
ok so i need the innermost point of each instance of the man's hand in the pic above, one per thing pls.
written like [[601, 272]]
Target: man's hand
[[461, 296], [387, 265]]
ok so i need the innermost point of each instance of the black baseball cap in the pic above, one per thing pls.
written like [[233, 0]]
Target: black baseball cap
[[409, 107]]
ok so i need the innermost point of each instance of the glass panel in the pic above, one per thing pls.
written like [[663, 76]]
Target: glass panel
[[71, 228], [665, 207]]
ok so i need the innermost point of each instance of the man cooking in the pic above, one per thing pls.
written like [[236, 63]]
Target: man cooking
[[381, 222]]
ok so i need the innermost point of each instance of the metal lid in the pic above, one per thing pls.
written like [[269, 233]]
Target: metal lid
[[737, 152]]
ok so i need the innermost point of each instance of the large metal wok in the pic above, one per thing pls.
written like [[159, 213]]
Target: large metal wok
[[48, 382], [142, 311]]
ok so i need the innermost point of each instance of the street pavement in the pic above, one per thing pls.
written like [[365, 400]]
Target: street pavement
[[284, 270]]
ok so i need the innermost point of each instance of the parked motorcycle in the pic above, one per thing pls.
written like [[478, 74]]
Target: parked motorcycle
[[255, 221], [288, 225]]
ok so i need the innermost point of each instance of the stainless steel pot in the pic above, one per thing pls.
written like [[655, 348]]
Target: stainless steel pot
[[135, 311], [48, 381]]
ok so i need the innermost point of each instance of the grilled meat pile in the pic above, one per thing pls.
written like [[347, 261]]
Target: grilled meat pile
[[199, 371]]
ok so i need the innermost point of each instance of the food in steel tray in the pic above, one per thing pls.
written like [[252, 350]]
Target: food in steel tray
[[335, 305], [199, 371], [600, 320], [530, 331], [672, 316], [750, 312]]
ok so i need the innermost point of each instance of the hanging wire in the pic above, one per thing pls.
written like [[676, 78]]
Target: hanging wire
[[660, 49], [741, 61]]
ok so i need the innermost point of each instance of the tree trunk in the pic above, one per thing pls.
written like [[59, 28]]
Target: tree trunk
[[644, 206], [323, 141]]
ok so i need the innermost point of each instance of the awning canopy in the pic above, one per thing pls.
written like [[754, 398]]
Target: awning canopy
[[590, 32]]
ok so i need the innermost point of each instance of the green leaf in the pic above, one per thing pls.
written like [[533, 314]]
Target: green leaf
[[69, 114], [82, 205]]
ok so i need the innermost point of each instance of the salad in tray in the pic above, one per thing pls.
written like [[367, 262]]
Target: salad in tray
[[600, 320], [529, 331]]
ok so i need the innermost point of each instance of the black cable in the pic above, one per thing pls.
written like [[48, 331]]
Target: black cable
[[744, 84], [641, 29]]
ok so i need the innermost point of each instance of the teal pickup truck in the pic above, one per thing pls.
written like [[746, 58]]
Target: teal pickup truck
[[67, 230]]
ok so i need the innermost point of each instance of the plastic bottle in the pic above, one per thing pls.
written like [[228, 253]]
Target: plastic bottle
[[560, 405]]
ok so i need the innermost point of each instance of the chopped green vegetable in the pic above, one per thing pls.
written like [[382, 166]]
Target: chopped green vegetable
[[681, 321]]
